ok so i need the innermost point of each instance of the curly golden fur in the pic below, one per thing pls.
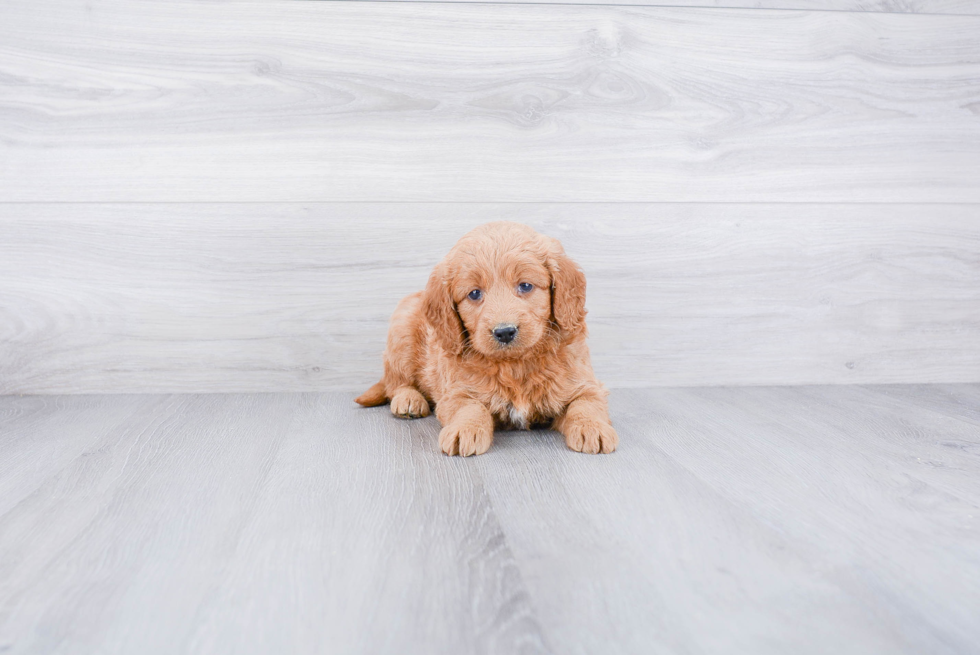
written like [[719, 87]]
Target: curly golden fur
[[497, 338]]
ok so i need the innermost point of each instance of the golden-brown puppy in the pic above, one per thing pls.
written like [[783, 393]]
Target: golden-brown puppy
[[497, 339]]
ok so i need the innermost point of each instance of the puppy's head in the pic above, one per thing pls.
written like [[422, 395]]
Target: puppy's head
[[502, 290]]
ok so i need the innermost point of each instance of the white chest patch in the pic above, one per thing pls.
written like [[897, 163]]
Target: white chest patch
[[517, 418]]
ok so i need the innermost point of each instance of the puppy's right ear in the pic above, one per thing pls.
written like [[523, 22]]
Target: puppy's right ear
[[567, 292], [440, 310]]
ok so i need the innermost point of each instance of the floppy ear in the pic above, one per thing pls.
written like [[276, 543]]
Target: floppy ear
[[440, 310], [567, 292]]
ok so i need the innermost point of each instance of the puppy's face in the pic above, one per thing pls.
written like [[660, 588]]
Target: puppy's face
[[503, 300], [501, 290]]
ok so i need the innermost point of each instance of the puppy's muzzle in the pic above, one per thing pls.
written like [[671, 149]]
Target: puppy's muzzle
[[505, 332]]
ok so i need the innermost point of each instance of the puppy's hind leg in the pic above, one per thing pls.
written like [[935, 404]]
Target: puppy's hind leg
[[402, 359], [406, 401]]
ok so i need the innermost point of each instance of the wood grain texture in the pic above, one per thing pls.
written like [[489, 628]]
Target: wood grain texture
[[960, 401], [752, 520], [262, 297], [36, 443], [234, 524], [762, 520], [191, 101], [955, 7]]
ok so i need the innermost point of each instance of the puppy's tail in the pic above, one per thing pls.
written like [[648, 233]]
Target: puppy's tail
[[374, 396]]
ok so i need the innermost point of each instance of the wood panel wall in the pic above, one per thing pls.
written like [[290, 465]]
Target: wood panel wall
[[955, 7], [232, 196]]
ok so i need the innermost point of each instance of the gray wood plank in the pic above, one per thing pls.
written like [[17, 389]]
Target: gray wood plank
[[181, 101], [891, 526], [806, 521], [41, 435], [959, 400], [762, 520], [958, 7], [246, 297], [158, 500], [371, 541], [257, 524]]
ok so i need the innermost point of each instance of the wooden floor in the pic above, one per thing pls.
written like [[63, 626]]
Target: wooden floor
[[837, 519]]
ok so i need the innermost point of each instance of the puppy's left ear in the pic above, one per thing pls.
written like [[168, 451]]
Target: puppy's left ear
[[567, 292], [440, 310]]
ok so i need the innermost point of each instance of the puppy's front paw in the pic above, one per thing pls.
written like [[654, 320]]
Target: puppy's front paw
[[591, 436], [407, 402], [466, 438]]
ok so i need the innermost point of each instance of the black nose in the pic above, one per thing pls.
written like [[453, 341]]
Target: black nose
[[505, 333]]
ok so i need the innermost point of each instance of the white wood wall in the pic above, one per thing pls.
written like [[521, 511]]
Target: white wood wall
[[231, 196]]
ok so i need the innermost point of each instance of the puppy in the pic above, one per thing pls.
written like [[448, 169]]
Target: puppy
[[497, 339]]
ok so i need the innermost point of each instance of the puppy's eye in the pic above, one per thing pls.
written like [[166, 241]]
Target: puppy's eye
[[475, 294], [525, 287]]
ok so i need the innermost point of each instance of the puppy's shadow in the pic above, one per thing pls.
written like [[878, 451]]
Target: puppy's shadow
[[533, 440], [425, 433]]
